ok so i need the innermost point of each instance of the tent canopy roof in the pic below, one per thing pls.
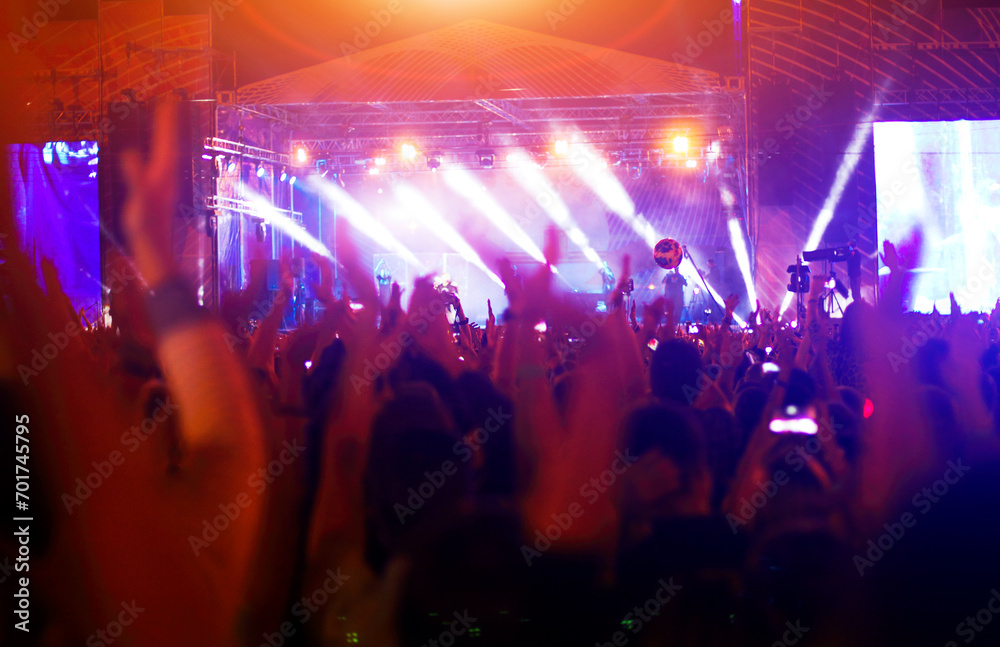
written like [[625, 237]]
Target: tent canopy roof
[[475, 60]]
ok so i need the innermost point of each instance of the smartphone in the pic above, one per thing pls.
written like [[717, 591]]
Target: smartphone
[[800, 425], [770, 367], [794, 421], [653, 344], [541, 327]]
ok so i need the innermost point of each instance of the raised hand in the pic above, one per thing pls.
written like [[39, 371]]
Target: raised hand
[[889, 256], [731, 302], [152, 198]]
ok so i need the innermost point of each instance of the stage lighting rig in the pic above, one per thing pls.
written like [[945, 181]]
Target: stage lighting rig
[[434, 161], [486, 158]]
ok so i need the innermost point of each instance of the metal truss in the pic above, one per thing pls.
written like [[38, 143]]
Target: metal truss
[[525, 123], [985, 95], [228, 147], [934, 45], [235, 205]]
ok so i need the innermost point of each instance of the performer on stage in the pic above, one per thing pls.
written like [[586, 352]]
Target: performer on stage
[[712, 273], [854, 257], [673, 290]]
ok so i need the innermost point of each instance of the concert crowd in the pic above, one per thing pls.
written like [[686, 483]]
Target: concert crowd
[[380, 476]]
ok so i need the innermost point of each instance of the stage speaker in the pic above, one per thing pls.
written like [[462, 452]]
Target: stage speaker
[[126, 124]]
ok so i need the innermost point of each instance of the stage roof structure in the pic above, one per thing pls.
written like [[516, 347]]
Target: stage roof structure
[[481, 82]]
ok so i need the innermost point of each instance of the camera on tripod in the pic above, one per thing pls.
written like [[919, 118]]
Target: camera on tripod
[[798, 278]]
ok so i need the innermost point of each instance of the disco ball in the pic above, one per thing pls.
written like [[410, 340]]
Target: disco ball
[[668, 253]]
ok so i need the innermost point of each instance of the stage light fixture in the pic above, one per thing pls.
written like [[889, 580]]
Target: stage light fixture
[[681, 144], [486, 158], [301, 154], [434, 161], [379, 161], [691, 163], [561, 147], [232, 165], [292, 180], [284, 175], [261, 171], [206, 156], [635, 171], [409, 152]]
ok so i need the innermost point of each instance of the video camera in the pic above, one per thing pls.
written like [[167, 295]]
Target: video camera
[[832, 254]]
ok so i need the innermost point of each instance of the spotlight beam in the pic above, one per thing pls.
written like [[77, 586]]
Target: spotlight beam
[[416, 204], [742, 257], [287, 226], [586, 165], [535, 183], [463, 183], [361, 220], [851, 158]]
